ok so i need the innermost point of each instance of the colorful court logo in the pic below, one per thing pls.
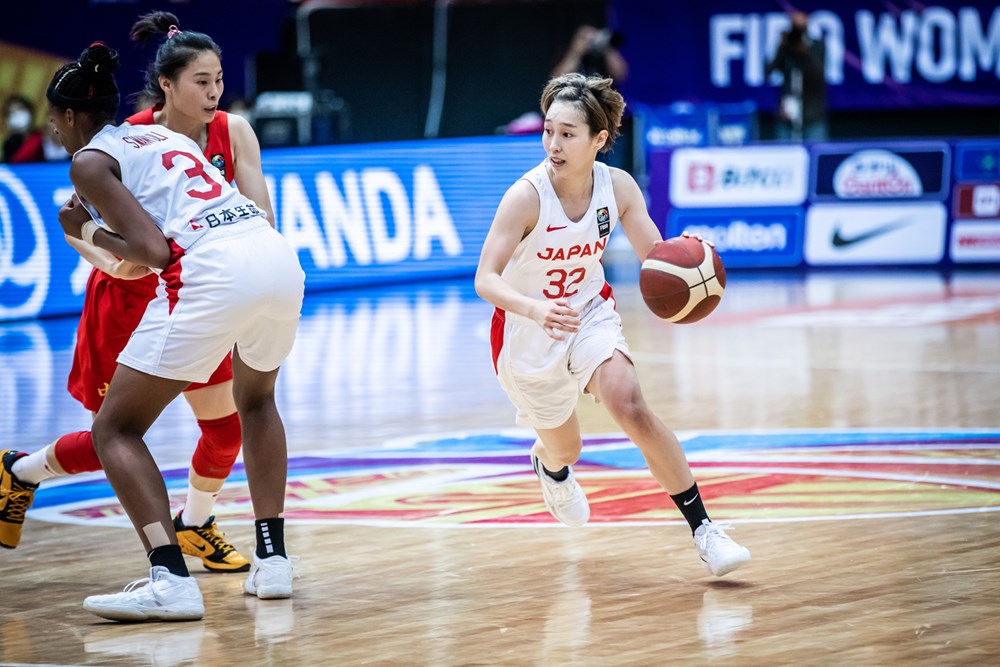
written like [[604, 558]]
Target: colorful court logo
[[485, 480]]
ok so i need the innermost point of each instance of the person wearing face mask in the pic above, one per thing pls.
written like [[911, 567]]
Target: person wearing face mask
[[23, 141], [802, 114], [183, 85]]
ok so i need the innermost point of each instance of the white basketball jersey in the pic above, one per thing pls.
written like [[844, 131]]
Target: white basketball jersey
[[561, 258], [185, 195]]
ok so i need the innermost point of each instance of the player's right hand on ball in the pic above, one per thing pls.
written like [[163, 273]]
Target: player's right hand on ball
[[697, 236], [556, 316]]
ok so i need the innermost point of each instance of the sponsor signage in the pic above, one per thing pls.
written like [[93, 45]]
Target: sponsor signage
[[977, 161], [981, 200], [687, 124], [357, 215], [878, 55], [746, 237], [666, 127], [977, 241], [752, 176], [897, 233], [876, 172]]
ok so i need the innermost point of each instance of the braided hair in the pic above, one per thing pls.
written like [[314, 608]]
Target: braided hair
[[88, 84], [596, 99], [174, 54]]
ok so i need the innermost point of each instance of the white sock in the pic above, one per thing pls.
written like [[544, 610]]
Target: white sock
[[198, 506], [34, 468]]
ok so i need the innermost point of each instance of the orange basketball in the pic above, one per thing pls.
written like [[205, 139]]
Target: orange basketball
[[682, 279]]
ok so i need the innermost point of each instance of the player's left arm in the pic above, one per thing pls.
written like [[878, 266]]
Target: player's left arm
[[106, 262], [640, 229], [247, 163], [95, 176]]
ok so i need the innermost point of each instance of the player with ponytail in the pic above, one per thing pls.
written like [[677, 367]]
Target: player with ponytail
[[184, 80], [227, 282], [555, 330]]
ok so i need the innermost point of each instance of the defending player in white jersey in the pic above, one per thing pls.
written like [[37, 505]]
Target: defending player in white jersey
[[555, 330], [228, 281]]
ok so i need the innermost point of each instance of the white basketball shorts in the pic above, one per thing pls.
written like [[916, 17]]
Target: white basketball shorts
[[241, 287], [544, 377]]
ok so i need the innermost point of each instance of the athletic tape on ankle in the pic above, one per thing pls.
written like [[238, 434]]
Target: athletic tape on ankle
[[156, 534]]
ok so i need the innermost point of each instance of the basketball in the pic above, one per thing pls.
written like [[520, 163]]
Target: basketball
[[682, 279]]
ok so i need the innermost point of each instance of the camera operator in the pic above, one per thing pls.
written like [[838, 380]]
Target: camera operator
[[594, 51], [800, 59]]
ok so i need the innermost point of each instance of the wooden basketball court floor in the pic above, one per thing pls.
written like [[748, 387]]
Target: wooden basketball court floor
[[847, 423]]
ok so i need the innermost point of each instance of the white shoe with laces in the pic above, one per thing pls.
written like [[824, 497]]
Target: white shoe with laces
[[566, 499], [160, 597], [719, 553], [270, 578]]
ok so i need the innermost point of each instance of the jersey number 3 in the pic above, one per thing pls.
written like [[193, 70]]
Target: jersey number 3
[[559, 287], [198, 169]]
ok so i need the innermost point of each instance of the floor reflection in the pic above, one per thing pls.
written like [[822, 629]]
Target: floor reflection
[[153, 645], [722, 618]]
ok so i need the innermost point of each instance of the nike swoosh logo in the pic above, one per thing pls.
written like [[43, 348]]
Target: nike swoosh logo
[[841, 241], [688, 502], [199, 549], [550, 228]]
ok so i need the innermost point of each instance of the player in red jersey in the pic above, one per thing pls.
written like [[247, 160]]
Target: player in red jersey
[[184, 82], [228, 283]]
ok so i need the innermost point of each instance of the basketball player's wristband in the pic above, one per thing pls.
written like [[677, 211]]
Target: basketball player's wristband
[[88, 230]]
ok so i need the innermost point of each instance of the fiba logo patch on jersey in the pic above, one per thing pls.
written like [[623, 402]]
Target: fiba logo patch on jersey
[[603, 221], [219, 163]]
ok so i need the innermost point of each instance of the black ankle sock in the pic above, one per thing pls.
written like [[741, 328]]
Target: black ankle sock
[[690, 505], [170, 557], [559, 476], [270, 537]]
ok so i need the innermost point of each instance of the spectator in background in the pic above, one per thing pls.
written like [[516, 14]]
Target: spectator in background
[[594, 52], [23, 141], [802, 113]]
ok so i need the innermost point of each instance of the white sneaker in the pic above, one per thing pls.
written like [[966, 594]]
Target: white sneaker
[[160, 597], [270, 578], [719, 554], [566, 499]]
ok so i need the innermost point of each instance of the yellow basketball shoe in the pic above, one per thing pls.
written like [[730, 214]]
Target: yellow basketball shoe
[[209, 544], [15, 499]]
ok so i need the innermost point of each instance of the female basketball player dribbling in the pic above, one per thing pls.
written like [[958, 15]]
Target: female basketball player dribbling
[[555, 330], [228, 282], [184, 81]]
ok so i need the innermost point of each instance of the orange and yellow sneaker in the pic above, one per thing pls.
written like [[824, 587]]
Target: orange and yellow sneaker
[[209, 544], [15, 499]]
